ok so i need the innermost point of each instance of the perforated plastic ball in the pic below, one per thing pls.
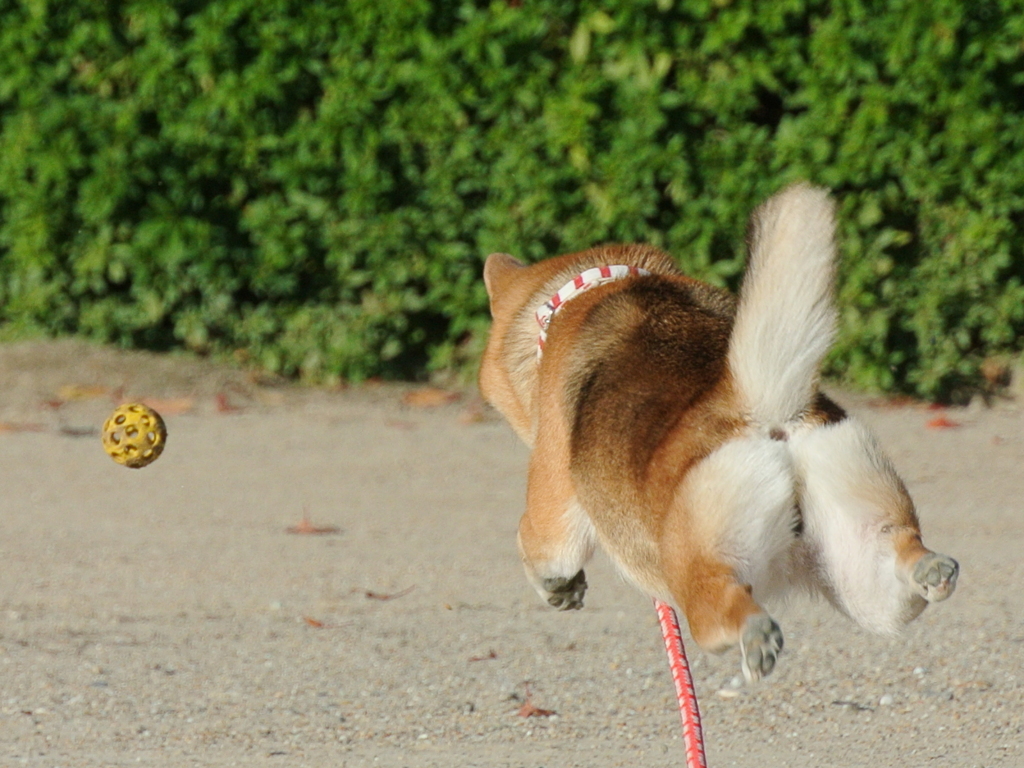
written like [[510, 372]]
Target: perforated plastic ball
[[134, 435]]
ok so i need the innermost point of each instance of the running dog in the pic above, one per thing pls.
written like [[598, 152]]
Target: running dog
[[684, 431]]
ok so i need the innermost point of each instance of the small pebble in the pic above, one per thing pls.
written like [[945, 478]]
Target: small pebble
[[885, 701]]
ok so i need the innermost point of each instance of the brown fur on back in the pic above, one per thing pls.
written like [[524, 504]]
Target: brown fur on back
[[648, 394]]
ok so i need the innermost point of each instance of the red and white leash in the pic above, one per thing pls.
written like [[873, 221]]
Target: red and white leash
[[693, 736]]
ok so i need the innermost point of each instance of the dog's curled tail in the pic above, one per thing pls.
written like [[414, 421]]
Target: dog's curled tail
[[786, 317]]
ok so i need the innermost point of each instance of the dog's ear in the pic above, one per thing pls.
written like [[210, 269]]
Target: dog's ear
[[498, 268]]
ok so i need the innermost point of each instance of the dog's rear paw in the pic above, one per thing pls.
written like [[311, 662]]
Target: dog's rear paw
[[935, 576], [566, 594], [760, 645]]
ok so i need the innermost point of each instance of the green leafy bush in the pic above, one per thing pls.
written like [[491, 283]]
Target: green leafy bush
[[317, 183]]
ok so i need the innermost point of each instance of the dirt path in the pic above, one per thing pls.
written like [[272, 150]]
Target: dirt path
[[165, 617]]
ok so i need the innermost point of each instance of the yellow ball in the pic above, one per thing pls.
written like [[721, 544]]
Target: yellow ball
[[134, 435]]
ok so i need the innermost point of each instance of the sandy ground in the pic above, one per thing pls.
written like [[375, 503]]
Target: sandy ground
[[165, 617]]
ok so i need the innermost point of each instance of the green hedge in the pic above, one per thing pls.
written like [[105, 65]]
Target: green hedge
[[316, 184]]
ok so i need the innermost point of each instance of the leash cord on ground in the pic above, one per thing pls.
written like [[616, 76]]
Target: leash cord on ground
[[693, 737]]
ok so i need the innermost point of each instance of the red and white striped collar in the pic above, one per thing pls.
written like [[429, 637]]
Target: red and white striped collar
[[590, 278]]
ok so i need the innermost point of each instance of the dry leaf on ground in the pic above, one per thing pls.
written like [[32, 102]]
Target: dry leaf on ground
[[11, 426], [473, 413], [893, 401], [171, 406], [81, 392], [529, 709], [429, 397], [305, 527], [225, 406]]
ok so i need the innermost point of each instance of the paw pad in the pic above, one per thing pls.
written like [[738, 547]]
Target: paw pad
[[760, 646], [566, 594], [935, 576]]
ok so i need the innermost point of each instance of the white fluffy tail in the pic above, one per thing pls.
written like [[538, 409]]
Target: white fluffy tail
[[786, 318]]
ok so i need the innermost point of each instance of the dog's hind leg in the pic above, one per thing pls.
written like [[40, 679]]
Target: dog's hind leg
[[861, 529], [722, 613], [730, 526], [556, 537]]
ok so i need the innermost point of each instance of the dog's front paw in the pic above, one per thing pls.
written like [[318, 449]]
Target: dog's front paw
[[935, 576], [760, 645], [566, 594]]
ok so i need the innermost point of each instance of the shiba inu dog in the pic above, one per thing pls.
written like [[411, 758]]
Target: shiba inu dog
[[683, 430]]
